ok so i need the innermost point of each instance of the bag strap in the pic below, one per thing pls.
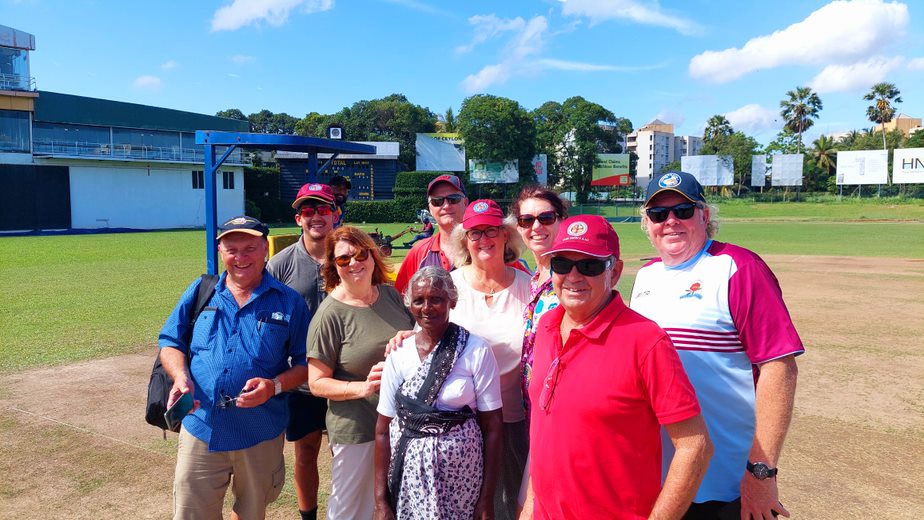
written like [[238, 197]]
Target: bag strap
[[204, 292]]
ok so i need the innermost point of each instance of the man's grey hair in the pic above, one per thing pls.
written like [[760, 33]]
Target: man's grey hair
[[436, 277], [712, 225], [512, 248]]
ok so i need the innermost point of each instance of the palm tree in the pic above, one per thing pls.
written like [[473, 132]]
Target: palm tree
[[848, 140], [800, 110], [881, 111], [717, 125], [824, 153]]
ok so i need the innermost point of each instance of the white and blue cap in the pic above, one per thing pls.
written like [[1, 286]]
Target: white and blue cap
[[679, 182]]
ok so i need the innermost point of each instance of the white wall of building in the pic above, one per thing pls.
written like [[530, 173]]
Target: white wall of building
[[126, 195]]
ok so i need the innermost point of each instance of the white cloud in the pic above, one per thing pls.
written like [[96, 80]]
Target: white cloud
[[147, 83], [521, 53], [669, 116], [839, 32], [648, 13], [167, 65], [419, 6], [856, 76], [753, 119], [916, 64], [242, 59], [241, 13], [487, 27]]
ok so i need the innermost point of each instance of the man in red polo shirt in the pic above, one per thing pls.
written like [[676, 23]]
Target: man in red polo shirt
[[447, 201], [609, 380]]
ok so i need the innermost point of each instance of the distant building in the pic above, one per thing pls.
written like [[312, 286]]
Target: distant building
[[372, 177], [73, 162], [656, 146], [906, 124]]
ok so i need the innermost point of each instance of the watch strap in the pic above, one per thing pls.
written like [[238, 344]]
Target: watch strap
[[761, 470], [277, 386]]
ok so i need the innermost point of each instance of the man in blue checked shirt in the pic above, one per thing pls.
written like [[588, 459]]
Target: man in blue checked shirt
[[235, 366]]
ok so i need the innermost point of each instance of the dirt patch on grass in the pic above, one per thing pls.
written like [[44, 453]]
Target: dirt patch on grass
[[73, 441]]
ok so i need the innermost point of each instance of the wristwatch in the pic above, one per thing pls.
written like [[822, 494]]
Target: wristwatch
[[278, 386], [761, 471]]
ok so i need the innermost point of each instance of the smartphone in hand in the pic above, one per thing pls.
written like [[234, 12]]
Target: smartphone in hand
[[174, 415]]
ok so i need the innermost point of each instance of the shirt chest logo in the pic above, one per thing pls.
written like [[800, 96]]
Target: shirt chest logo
[[693, 292]]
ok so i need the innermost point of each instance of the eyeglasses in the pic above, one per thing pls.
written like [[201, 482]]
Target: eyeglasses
[[545, 218], [586, 266], [309, 211], [548, 386], [226, 402], [475, 234], [682, 211], [455, 198], [344, 260]]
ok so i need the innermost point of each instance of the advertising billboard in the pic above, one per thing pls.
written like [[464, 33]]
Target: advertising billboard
[[863, 167], [710, 170], [908, 166], [759, 171], [483, 172], [611, 169], [440, 153], [787, 170]]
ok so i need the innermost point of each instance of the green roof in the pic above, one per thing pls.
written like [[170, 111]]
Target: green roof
[[52, 107]]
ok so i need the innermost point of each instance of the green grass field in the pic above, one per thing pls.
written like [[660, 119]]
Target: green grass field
[[80, 297]]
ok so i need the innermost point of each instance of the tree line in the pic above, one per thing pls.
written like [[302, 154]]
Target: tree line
[[571, 133]]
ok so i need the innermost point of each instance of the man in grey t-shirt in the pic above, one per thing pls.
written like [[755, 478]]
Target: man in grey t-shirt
[[299, 267]]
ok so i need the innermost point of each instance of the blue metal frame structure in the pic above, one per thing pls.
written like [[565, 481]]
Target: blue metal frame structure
[[211, 141]]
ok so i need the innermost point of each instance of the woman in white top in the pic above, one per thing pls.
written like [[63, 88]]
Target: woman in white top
[[492, 298], [439, 431]]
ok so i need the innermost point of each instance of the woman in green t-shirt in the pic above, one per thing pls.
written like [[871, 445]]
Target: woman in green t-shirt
[[346, 354]]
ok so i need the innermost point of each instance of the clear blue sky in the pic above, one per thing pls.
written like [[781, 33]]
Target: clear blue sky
[[680, 61]]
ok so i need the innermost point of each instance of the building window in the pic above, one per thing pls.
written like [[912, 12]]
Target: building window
[[14, 131], [228, 178], [198, 180]]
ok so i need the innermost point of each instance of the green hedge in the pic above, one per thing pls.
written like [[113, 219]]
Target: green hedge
[[383, 211]]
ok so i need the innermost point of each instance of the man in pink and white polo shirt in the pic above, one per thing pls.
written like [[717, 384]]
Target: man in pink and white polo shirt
[[724, 311]]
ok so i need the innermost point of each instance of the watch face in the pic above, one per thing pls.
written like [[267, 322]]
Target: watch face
[[761, 471]]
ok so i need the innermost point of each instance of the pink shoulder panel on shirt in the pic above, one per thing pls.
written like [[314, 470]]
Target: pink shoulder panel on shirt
[[755, 301]]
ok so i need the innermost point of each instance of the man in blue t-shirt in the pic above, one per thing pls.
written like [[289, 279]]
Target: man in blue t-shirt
[[236, 366]]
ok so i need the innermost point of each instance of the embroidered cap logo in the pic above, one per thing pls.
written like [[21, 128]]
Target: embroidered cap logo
[[577, 229], [671, 180]]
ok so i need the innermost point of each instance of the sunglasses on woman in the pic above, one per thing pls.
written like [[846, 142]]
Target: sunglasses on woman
[[545, 218], [344, 260], [475, 234], [309, 211], [455, 198], [585, 266], [682, 211]]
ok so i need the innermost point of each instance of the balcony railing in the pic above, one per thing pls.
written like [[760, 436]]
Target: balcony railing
[[126, 152], [17, 82]]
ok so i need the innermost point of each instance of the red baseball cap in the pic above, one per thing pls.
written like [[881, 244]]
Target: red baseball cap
[[313, 190], [452, 180], [483, 212], [588, 234]]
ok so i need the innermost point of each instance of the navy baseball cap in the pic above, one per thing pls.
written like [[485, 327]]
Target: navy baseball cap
[[682, 183], [243, 224]]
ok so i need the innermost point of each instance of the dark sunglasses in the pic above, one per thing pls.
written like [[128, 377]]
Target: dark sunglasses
[[545, 218], [475, 234], [586, 266], [309, 211], [226, 401], [344, 260], [682, 211], [455, 198]]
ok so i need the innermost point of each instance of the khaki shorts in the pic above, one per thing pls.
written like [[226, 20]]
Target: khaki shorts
[[202, 478]]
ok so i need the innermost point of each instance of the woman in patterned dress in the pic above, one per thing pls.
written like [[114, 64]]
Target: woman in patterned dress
[[439, 431]]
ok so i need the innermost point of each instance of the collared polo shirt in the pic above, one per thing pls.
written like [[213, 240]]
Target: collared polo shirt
[[595, 450], [423, 253], [232, 344]]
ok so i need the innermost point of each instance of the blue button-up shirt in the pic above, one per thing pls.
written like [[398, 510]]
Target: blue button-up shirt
[[231, 345]]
